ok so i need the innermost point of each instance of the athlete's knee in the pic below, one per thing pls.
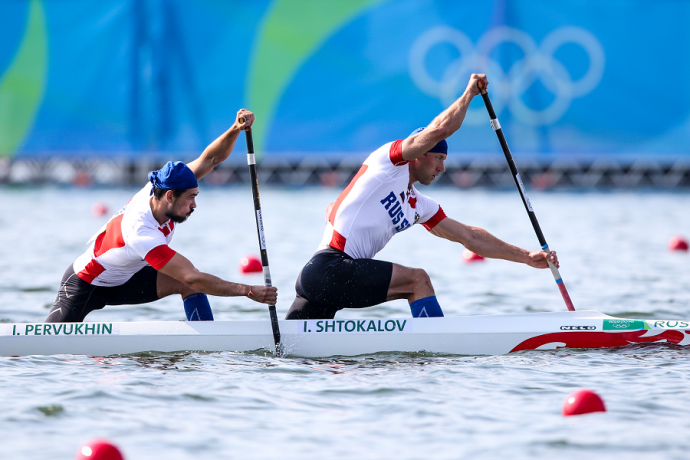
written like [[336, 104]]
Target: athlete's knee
[[55, 316], [422, 280], [304, 309], [186, 291], [296, 310]]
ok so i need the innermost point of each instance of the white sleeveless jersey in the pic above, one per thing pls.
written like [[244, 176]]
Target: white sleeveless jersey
[[127, 243], [376, 205]]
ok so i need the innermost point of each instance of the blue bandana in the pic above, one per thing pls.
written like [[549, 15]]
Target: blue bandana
[[441, 147], [173, 176]]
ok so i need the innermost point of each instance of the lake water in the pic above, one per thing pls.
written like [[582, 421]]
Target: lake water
[[612, 248]]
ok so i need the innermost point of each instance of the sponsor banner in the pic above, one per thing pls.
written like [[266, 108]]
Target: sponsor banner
[[356, 326], [625, 325], [62, 329]]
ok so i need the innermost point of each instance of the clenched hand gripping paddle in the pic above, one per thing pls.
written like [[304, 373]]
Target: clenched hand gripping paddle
[[251, 160], [521, 188]]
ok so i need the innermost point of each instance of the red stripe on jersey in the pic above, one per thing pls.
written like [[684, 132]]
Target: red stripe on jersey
[[412, 202], [433, 222], [111, 238], [159, 256], [338, 241], [167, 228], [396, 154], [344, 193], [91, 271]]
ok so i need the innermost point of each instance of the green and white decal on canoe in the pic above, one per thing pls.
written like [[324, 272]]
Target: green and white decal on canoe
[[625, 325]]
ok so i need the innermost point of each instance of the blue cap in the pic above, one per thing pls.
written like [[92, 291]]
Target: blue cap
[[173, 176], [441, 147]]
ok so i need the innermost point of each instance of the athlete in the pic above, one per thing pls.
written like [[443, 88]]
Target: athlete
[[379, 202], [129, 260]]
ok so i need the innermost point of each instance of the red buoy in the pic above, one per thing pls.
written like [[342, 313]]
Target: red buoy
[[99, 209], [678, 243], [470, 256], [329, 208], [99, 449], [583, 402], [251, 264]]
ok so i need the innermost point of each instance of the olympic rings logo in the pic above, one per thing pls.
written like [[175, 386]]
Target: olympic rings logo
[[621, 324], [508, 86]]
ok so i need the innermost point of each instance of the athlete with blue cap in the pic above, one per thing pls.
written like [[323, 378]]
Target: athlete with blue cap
[[380, 201], [129, 261]]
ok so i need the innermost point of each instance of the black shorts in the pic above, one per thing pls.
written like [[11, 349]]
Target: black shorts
[[76, 298], [332, 280]]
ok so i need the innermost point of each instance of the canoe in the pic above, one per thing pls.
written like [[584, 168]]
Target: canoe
[[459, 335]]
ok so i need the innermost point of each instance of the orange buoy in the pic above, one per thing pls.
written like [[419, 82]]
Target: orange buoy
[[470, 256], [99, 449], [678, 243], [583, 402], [251, 264]]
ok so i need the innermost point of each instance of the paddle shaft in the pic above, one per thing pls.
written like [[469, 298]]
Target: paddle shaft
[[251, 161], [525, 200]]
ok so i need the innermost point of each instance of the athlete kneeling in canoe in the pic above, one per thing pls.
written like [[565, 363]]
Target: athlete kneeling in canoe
[[379, 202], [129, 261]]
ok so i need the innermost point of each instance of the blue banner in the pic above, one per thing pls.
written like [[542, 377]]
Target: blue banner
[[126, 77]]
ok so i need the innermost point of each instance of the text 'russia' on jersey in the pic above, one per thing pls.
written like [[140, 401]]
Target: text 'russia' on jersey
[[377, 204]]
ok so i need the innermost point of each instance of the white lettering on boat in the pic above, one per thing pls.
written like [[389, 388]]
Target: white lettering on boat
[[355, 326], [62, 329]]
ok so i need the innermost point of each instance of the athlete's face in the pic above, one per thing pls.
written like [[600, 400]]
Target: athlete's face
[[183, 206], [429, 166]]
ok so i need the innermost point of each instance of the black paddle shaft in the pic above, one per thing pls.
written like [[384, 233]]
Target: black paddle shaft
[[521, 188], [513, 169], [251, 160]]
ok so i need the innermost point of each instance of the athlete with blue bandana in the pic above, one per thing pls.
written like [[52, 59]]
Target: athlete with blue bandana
[[129, 260], [379, 202]]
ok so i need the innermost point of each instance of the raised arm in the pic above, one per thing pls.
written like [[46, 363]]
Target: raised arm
[[485, 244], [444, 125], [180, 268], [221, 148]]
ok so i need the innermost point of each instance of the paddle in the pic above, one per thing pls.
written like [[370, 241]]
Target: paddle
[[521, 188], [251, 161]]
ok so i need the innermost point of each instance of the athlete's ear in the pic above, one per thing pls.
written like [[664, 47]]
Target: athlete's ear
[[169, 196]]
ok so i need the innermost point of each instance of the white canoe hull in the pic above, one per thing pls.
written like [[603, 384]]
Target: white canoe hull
[[468, 335]]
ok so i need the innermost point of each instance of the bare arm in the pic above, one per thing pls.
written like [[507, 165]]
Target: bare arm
[[180, 268], [485, 244], [444, 125], [220, 149]]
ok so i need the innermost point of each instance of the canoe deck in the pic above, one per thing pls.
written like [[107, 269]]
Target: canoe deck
[[461, 335]]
